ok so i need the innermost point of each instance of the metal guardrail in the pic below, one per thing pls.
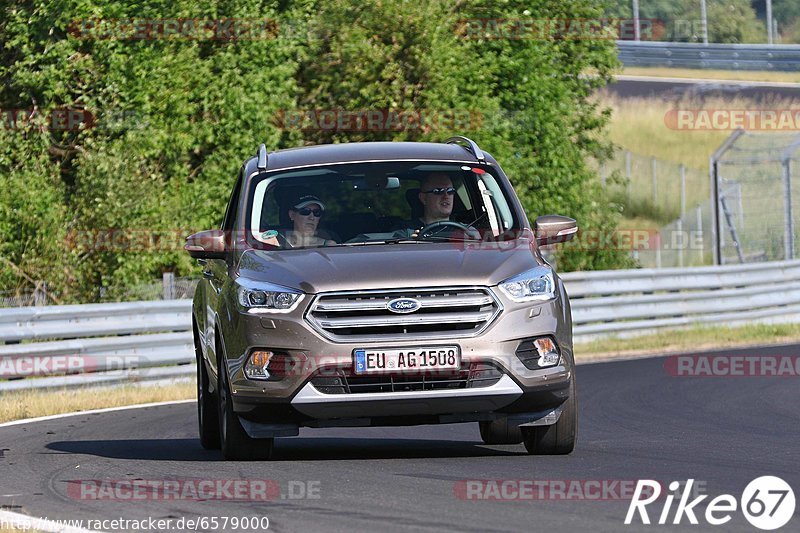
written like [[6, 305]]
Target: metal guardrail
[[146, 341], [778, 57], [66, 345], [635, 302]]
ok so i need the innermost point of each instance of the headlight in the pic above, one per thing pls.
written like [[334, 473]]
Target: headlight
[[537, 284], [266, 297]]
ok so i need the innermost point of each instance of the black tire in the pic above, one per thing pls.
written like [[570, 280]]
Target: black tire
[[236, 444], [207, 405], [499, 432], [559, 438]]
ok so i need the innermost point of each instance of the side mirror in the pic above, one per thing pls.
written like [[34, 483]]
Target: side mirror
[[554, 229], [208, 244]]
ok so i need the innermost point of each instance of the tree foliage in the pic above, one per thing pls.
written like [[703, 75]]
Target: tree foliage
[[173, 118]]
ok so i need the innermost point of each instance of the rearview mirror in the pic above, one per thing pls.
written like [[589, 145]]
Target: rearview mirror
[[208, 244], [554, 229], [376, 183]]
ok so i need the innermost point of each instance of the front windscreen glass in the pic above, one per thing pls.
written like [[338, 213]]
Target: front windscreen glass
[[378, 203]]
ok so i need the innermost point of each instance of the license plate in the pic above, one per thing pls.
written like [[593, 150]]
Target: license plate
[[383, 360]]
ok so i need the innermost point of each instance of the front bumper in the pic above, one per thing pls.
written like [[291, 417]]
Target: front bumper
[[293, 399]]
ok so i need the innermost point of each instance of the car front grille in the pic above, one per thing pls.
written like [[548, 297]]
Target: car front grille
[[343, 381], [365, 316]]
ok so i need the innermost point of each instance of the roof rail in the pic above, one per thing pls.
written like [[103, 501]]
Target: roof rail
[[262, 157], [469, 145]]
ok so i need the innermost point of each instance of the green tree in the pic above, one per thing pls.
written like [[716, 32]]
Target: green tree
[[175, 117]]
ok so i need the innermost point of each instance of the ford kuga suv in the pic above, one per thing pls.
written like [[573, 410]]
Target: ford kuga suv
[[380, 283]]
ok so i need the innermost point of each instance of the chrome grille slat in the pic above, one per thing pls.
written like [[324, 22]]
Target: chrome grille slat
[[378, 304], [399, 320], [363, 316]]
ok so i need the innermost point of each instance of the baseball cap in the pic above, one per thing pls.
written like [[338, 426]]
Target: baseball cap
[[307, 200]]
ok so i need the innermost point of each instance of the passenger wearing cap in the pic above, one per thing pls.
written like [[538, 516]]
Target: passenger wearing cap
[[305, 214]]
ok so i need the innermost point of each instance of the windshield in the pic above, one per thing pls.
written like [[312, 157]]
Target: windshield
[[378, 203]]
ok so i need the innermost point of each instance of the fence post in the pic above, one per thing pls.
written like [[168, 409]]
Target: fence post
[[701, 238], [683, 191], [628, 173], [168, 284], [788, 226], [40, 294], [655, 179], [603, 174], [658, 250]]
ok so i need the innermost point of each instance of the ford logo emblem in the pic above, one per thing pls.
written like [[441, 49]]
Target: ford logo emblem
[[403, 305]]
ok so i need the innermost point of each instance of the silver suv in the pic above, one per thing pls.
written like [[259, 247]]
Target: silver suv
[[382, 283]]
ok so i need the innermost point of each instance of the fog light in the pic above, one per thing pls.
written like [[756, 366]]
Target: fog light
[[538, 353], [548, 354], [256, 366]]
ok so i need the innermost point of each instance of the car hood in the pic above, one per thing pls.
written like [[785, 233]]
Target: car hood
[[386, 266]]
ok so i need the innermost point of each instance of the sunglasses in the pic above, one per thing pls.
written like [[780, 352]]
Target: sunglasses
[[306, 211], [438, 191]]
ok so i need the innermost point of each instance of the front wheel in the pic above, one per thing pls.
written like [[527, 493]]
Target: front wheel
[[558, 438], [236, 444], [499, 432], [207, 408]]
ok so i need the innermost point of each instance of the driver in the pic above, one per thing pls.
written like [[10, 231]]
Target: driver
[[436, 194]]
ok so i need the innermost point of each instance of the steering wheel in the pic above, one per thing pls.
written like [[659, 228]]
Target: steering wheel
[[448, 226]]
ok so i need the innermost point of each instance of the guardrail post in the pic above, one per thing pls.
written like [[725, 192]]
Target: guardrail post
[[168, 284], [788, 226], [683, 240]]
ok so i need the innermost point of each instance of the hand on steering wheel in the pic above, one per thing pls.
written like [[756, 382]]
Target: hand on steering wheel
[[435, 228]]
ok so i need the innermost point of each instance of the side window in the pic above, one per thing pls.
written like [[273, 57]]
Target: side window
[[233, 205]]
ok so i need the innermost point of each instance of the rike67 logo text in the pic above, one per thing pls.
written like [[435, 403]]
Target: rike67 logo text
[[767, 503]]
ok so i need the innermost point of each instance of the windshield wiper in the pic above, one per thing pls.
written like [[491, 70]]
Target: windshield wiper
[[443, 238], [399, 240]]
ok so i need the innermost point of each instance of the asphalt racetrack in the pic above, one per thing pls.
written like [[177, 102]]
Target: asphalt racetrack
[[636, 422]]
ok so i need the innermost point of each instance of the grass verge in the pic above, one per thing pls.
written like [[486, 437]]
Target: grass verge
[[17, 405], [746, 75], [697, 339]]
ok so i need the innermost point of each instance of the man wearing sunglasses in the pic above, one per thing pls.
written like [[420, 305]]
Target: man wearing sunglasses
[[436, 194]]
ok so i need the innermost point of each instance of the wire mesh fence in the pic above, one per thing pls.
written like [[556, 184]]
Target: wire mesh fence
[[169, 288], [757, 197], [661, 190], [674, 197]]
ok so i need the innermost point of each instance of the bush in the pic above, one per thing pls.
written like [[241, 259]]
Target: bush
[[174, 118]]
